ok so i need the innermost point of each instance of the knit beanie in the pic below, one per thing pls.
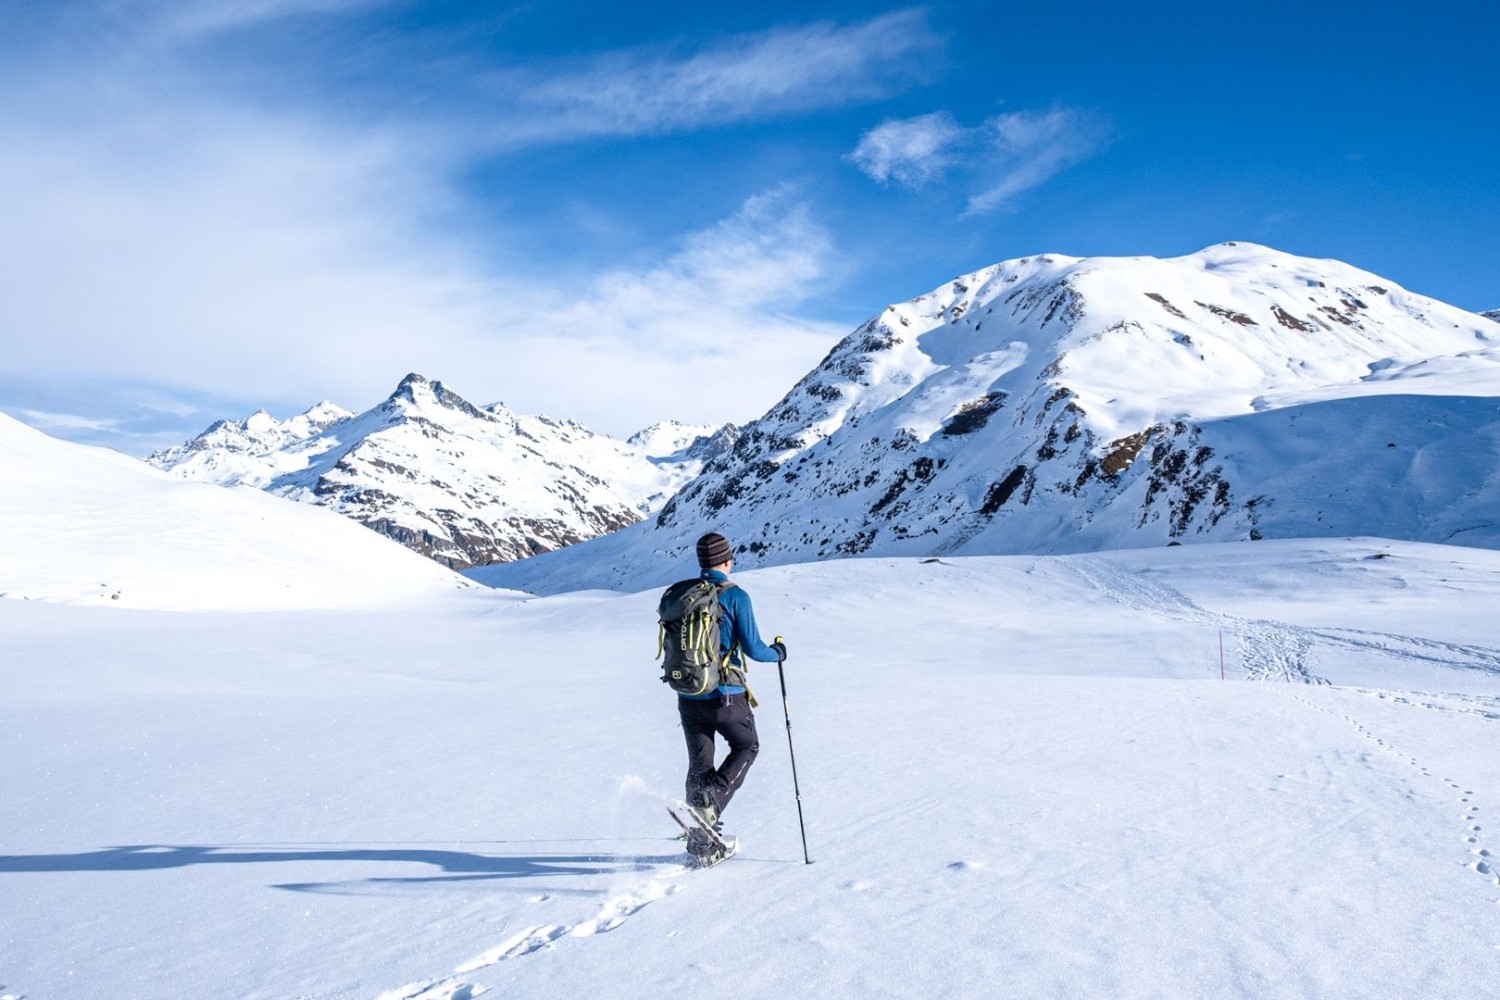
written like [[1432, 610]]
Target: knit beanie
[[713, 549]]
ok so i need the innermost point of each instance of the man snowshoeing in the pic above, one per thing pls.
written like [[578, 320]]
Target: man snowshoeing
[[726, 711]]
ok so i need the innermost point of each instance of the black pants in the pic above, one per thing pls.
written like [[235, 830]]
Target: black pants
[[728, 716]]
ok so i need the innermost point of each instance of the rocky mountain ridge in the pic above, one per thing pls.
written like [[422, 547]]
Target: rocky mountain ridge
[[1057, 404]]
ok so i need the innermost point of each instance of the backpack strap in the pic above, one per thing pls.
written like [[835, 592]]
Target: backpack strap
[[741, 671]]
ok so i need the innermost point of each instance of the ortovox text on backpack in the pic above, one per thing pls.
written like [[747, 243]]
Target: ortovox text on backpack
[[688, 639]]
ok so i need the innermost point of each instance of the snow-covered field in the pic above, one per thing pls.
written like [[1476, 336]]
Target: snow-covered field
[[1022, 776]]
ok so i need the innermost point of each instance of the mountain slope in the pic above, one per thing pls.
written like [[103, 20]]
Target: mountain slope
[[91, 526], [464, 485], [1055, 404]]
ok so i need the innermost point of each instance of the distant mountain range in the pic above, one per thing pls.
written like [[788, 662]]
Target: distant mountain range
[[462, 484], [1056, 404]]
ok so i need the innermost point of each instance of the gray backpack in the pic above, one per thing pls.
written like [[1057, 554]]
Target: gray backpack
[[688, 638]]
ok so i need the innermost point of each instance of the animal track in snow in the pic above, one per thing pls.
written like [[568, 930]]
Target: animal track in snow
[[1482, 862]]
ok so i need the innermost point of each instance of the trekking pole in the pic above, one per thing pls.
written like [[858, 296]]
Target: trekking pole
[[793, 754]]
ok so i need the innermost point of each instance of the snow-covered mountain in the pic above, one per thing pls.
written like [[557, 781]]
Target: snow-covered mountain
[[1493, 314], [464, 485], [91, 526], [1057, 404], [252, 451], [670, 437]]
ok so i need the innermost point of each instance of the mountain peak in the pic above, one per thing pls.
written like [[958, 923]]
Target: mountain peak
[[325, 411], [260, 422], [418, 390]]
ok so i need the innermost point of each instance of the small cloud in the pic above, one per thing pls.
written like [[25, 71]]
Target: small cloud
[[1000, 158], [911, 151]]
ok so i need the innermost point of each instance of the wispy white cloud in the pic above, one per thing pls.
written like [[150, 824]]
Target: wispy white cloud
[[66, 421], [714, 325], [1028, 149], [997, 160], [185, 19], [748, 77]]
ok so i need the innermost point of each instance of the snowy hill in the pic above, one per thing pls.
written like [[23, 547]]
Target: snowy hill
[[1493, 314], [91, 526], [1055, 404], [463, 485]]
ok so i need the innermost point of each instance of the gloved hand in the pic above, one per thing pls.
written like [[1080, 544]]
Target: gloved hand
[[780, 648]]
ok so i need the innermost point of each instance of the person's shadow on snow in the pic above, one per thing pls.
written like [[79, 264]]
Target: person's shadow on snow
[[458, 866]]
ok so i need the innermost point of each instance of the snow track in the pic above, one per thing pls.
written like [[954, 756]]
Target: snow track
[[1269, 650], [1448, 654], [530, 940]]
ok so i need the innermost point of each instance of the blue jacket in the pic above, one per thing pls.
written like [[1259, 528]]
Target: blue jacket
[[738, 635]]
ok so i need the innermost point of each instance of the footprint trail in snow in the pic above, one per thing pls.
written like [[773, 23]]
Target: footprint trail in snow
[[611, 915]]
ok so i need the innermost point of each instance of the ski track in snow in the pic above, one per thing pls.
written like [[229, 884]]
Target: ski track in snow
[[1449, 654], [530, 940]]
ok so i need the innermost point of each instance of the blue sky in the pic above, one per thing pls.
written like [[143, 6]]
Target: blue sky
[[625, 214]]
